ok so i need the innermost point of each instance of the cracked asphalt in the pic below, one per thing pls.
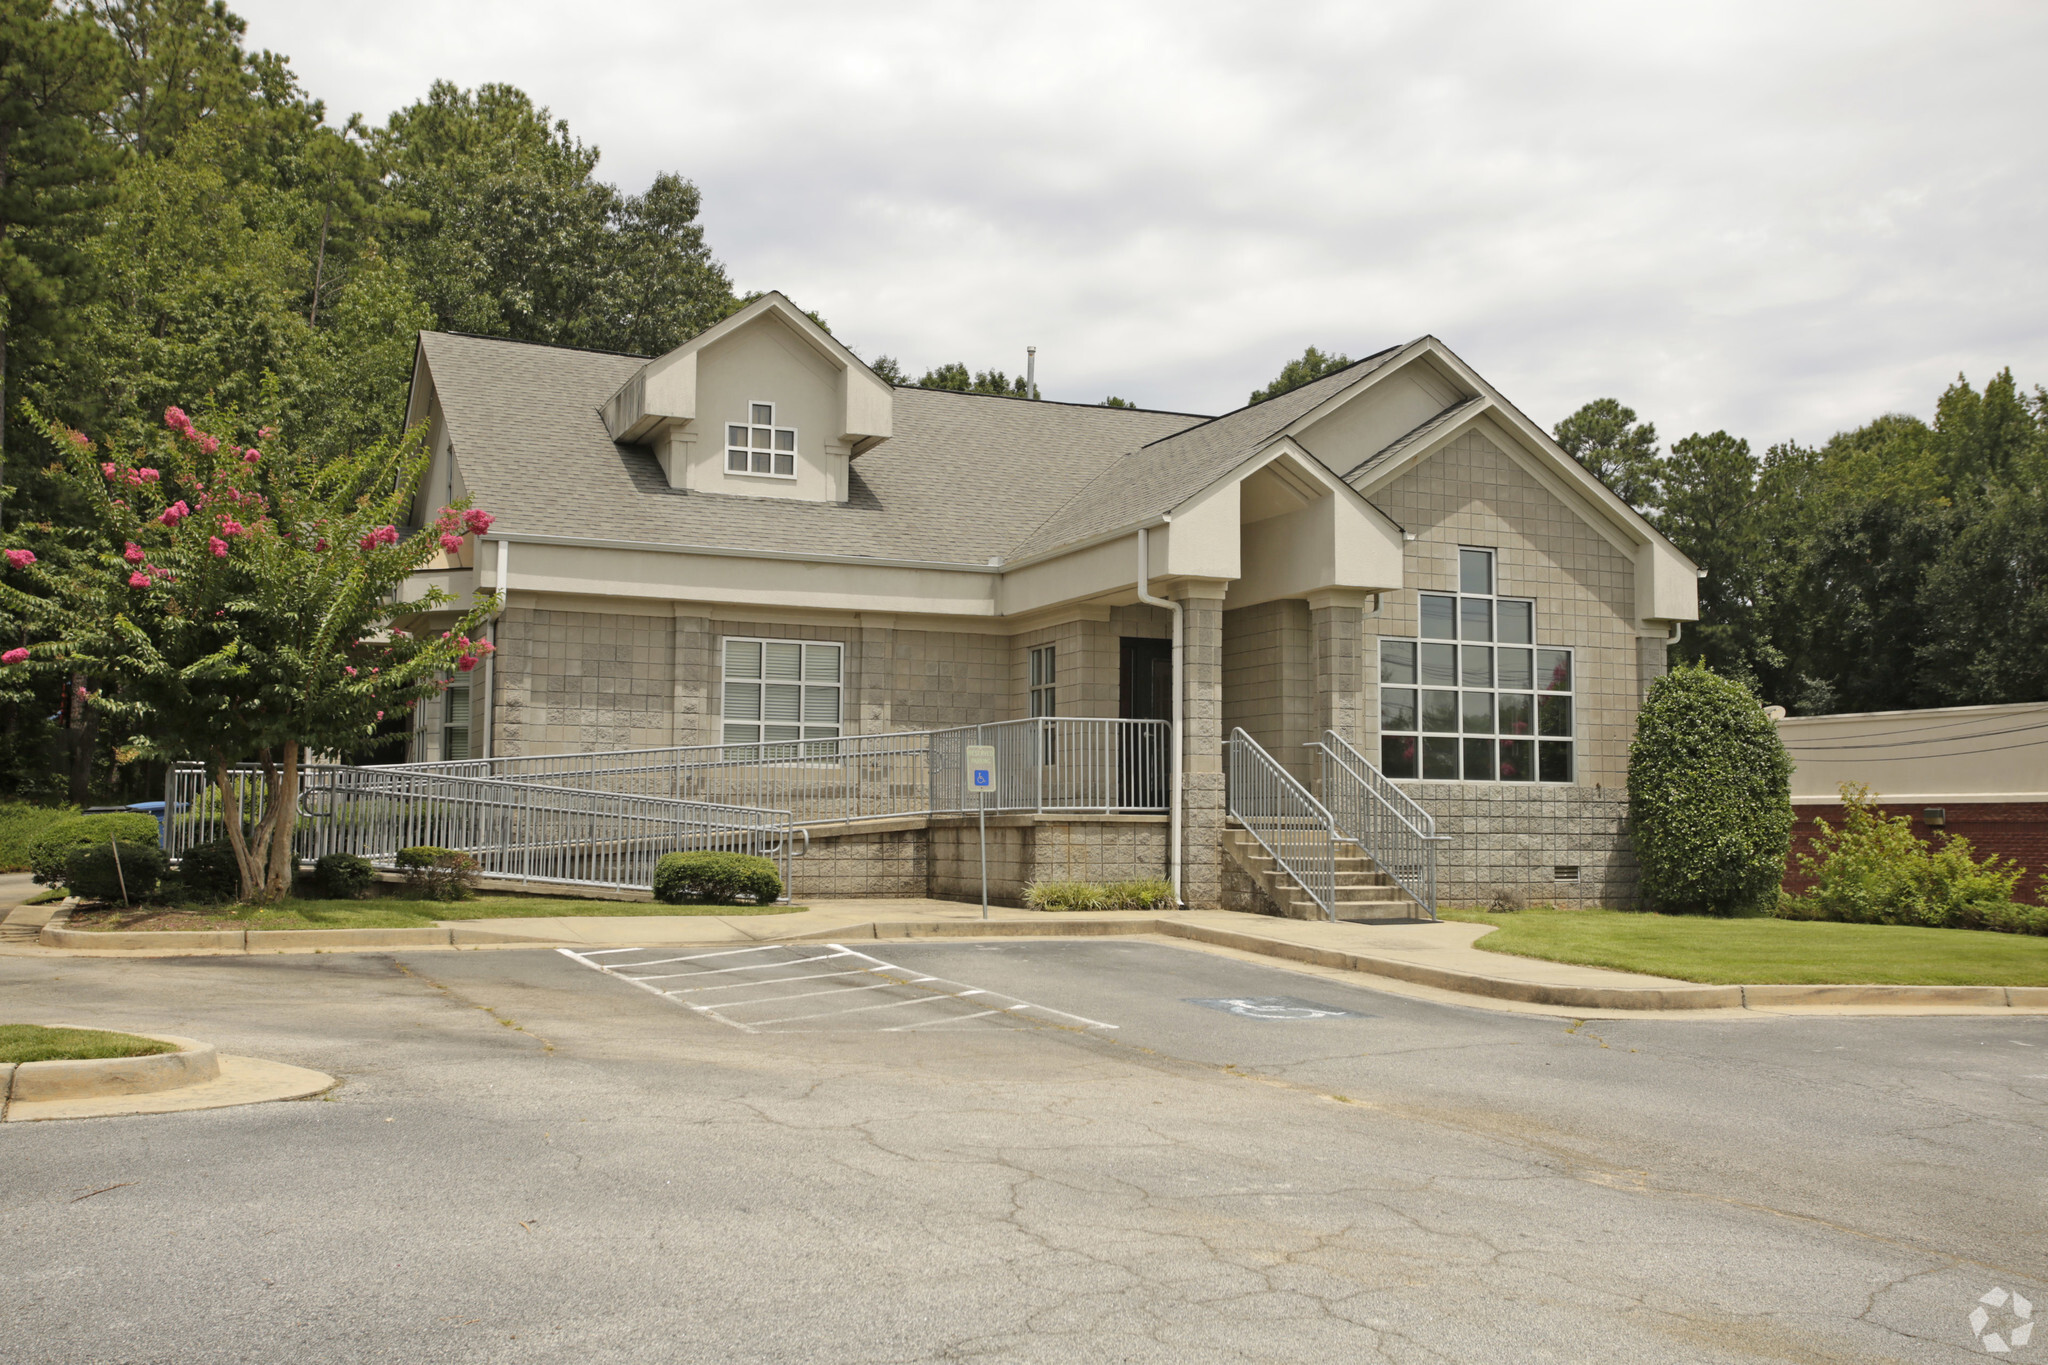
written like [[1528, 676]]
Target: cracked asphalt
[[528, 1160]]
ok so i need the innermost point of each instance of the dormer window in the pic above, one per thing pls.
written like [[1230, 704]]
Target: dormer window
[[760, 447]]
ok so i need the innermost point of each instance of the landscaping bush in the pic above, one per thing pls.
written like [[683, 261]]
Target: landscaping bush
[[91, 874], [50, 855], [1065, 895], [1709, 797], [440, 874], [1141, 893], [715, 879], [344, 876], [1874, 870], [21, 825], [208, 872]]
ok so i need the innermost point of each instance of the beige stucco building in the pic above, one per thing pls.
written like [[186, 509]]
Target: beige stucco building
[[1393, 552]]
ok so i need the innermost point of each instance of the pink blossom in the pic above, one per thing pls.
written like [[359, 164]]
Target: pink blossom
[[107, 468], [230, 527], [251, 455], [138, 579], [218, 546], [265, 433], [477, 520], [81, 440], [21, 559], [486, 647], [320, 545], [14, 656], [171, 515], [175, 418], [209, 444], [150, 475], [349, 669], [383, 535], [134, 553], [466, 662], [380, 715], [450, 543]]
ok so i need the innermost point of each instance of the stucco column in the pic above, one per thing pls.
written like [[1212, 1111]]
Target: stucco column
[[1337, 618], [1201, 756]]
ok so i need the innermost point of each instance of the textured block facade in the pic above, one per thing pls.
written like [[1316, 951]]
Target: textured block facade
[[1550, 845], [942, 858]]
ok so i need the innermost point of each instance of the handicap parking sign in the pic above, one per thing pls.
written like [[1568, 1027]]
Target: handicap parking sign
[[981, 765]]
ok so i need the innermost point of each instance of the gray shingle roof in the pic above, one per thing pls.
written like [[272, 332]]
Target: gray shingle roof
[[1173, 468], [963, 479], [1362, 472]]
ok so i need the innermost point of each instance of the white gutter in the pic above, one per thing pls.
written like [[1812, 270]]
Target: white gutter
[[491, 659], [1174, 730]]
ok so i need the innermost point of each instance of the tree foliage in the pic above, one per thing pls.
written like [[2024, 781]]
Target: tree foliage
[[1621, 452], [1310, 366], [1709, 797], [955, 376]]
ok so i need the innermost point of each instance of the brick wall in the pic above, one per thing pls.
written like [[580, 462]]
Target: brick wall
[[2011, 829]]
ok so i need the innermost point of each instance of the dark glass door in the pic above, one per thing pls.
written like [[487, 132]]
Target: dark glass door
[[1144, 692]]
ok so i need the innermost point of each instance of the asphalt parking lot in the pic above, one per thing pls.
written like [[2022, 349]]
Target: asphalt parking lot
[[1108, 1151]]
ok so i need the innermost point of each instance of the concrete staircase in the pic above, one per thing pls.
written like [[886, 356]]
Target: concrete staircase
[[1363, 891]]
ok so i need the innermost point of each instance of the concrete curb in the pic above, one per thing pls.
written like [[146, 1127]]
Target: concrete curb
[[192, 1064]]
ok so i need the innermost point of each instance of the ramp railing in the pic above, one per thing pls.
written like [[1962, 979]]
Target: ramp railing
[[1384, 821], [1290, 824]]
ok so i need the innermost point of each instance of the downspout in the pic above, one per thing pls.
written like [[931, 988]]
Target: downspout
[[491, 659], [1174, 728]]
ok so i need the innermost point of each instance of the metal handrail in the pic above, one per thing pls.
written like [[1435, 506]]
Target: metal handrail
[[520, 831], [1290, 824], [1396, 833], [1048, 763]]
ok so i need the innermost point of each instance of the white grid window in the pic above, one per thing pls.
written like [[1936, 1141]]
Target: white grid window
[[781, 690], [759, 447], [1474, 698], [1044, 694], [454, 724]]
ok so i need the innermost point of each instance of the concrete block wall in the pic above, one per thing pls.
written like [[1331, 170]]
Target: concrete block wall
[[1024, 849], [886, 863], [1513, 837], [577, 680], [1269, 679]]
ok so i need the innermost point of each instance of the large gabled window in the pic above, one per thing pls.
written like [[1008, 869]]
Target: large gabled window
[[1474, 698], [759, 447]]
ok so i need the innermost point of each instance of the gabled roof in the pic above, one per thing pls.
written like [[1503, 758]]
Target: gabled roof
[[1169, 471], [965, 476], [1361, 473]]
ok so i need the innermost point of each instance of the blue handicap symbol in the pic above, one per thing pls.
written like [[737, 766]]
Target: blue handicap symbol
[[981, 777]]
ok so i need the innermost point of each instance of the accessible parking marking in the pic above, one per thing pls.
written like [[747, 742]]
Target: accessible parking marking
[[751, 995]]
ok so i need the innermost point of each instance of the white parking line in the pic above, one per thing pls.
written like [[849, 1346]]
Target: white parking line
[[791, 956]]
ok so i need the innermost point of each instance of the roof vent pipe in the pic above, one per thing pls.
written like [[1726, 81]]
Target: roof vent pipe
[[1031, 372], [1174, 754]]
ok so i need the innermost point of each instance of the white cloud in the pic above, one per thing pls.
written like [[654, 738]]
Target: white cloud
[[1782, 219]]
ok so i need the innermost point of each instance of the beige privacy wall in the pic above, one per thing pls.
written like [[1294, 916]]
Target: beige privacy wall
[[1471, 494]]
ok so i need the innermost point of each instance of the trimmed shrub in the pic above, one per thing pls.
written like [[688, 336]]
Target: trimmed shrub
[[715, 879], [1064, 895], [1139, 893], [1709, 797], [50, 855], [91, 874], [21, 824], [344, 876], [209, 872], [1874, 870], [440, 874]]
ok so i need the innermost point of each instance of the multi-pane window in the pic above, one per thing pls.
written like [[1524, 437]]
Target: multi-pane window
[[1044, 700], [780, 690], [1475, 698], [759, 446], [455, 724]]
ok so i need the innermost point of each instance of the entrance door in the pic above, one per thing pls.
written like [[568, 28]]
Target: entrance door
[[1144, 692]]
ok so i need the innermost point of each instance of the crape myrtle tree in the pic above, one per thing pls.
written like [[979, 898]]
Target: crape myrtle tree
[[236, 601]]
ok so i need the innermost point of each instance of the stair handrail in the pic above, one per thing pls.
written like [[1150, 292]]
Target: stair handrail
[[1393, 830], [1294, 828]]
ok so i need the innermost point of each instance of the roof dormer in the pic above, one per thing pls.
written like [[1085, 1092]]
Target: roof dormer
[[765, 404]]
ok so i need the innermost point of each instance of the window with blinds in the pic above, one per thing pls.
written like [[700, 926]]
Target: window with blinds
[[455, 724], [778, 691]]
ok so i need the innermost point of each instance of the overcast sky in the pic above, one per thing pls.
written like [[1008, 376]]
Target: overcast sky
[[1779, 218]]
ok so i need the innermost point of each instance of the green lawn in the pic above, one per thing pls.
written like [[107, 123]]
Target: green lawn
[[1767, 951], [388, 912], [34, 1043]]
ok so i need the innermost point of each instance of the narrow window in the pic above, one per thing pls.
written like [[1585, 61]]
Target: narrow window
[[455, 724], [758, 447], [1044, 694], [1491, 707]]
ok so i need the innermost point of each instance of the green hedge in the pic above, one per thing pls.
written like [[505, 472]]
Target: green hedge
[[92, 875], [21, 825], [1709, 797], [1143, 893], [715, 879], [344, 876], [1874, 870], [50, 854], [210, 872]]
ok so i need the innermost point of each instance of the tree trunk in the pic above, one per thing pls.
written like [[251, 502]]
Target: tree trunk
[[284, 815], [264, 854]]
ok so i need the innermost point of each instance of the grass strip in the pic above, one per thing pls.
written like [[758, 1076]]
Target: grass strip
[[386, 912], [34, 1043], [1766, 951]]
